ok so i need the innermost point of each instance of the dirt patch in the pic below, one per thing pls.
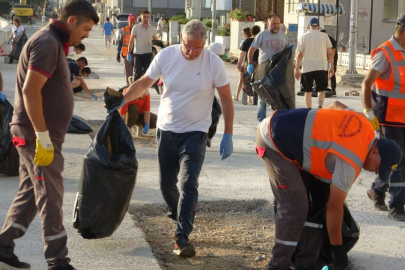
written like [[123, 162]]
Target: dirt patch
[[227, 235]]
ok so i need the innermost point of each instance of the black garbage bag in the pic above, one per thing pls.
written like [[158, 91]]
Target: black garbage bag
[[216, 115], [78, 126], [277, 86], [18, 44], [9, 157], [318, 195], [107, 181]]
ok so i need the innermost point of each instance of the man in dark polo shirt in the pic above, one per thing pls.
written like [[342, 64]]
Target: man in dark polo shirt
[[42, 112], [76, 75]]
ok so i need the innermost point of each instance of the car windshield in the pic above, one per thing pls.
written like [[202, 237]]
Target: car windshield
[[122, 17], [121, 24]]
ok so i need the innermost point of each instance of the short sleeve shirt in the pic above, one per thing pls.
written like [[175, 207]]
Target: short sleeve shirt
[[314, 45], [143, 104], [189, 88], [74, 70], [270, 44], [380, 62], [44, 52], [143, 38], [244, 47], [108, 27]]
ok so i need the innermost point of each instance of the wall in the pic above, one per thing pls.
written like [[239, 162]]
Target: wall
[[5, 28]]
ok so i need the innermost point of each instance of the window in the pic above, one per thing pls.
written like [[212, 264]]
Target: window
[[206, 4], [390, 10], [292, 4]]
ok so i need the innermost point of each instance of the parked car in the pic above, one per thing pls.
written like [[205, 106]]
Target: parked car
[[122, 17]]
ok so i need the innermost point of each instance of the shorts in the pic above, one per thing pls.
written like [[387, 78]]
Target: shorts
[[108, 38], [160, 32], [319, 76]]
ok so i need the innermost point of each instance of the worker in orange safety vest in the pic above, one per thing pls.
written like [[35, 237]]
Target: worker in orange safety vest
[[383, 93], [123, 44], [333, 145]]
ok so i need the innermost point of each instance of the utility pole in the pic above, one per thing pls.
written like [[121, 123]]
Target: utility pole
[[353, 38], [150, 6], [214, 20]]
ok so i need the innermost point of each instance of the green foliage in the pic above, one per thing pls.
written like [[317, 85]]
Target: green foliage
[[208, 22], [237, 14], [249, 13], [227, 26], [181, 19], [223, 32]]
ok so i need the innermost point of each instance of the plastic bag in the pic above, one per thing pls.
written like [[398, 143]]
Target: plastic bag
[[9, 157], [107, 181], [78, 126], [276, 88], [18, 44], [216, 115]]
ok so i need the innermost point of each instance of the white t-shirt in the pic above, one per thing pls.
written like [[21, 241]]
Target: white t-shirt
[[314, 45], [160, 24], [189, 87], [17, 31]]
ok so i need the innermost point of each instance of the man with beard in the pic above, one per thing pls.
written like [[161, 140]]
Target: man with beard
[[269, 42], [43, 109], [123, 47], [143, 33]]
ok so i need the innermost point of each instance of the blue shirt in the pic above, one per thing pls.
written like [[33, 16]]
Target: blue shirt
[[108, 27]]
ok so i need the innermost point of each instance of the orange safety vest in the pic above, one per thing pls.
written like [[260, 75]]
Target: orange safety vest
[[126, 36], [392, 110], [346, 134]]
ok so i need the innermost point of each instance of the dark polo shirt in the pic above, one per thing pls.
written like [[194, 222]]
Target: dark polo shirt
[[45, 52]]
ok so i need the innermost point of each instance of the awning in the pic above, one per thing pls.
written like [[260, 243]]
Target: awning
[[326, 9]]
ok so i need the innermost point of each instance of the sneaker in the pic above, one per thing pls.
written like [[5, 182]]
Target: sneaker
[[184, 248], [13, 263], [397, 212], [378, 199], [65, 267]]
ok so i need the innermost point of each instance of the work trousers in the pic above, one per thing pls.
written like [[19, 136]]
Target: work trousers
[[333, 78], [40, 191], [142, 62], [293, 233], [134, 118], [396, 185], [181, 156], [128, 69]]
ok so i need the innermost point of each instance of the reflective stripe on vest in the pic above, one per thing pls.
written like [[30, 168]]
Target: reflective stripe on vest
[[394, 86], [126, 36], [346, 134]]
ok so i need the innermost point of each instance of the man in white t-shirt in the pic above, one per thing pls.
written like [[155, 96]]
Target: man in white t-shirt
[[314, 49], [190, 73]]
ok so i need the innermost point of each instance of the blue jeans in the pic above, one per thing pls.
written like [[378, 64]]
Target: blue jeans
[[261, 109], [396, 185], [181, 156]]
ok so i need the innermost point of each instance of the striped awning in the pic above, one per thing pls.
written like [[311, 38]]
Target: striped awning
[[326, 9]]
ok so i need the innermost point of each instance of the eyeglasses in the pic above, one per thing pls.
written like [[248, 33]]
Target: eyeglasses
[[189, 48]]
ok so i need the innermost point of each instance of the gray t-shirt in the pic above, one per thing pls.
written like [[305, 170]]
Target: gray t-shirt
[[343, 173], [143, 38], [269, 44]]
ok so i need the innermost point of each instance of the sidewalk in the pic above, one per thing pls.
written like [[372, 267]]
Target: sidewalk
[[242, 176]]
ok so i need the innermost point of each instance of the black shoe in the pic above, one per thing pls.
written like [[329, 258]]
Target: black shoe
[[333, 93], [378, 199], [13, 263], [184, 248], [397, 212], [319, 107]]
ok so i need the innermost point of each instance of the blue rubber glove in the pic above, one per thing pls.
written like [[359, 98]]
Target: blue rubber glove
[[226, 147], [145, 129], [250, 69], [325, 268], [129, 57], [3, 97], [116, 108], [93, 96]]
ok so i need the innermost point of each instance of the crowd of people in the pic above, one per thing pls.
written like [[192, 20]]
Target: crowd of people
[[331, 144]]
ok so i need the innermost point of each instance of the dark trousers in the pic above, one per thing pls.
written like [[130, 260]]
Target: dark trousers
[[294, 234], [142, 62], [333, 78], [134, 118], [181, 156], [40, 191], [128, 69], [396, 185]]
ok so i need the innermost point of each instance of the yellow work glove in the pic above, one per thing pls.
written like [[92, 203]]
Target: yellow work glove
[[44, 150], [372, 118]]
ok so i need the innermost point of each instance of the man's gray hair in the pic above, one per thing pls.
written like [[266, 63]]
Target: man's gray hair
[[194, 29]]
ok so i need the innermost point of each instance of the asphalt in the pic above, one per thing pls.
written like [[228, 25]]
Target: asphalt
[[241, 176]]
